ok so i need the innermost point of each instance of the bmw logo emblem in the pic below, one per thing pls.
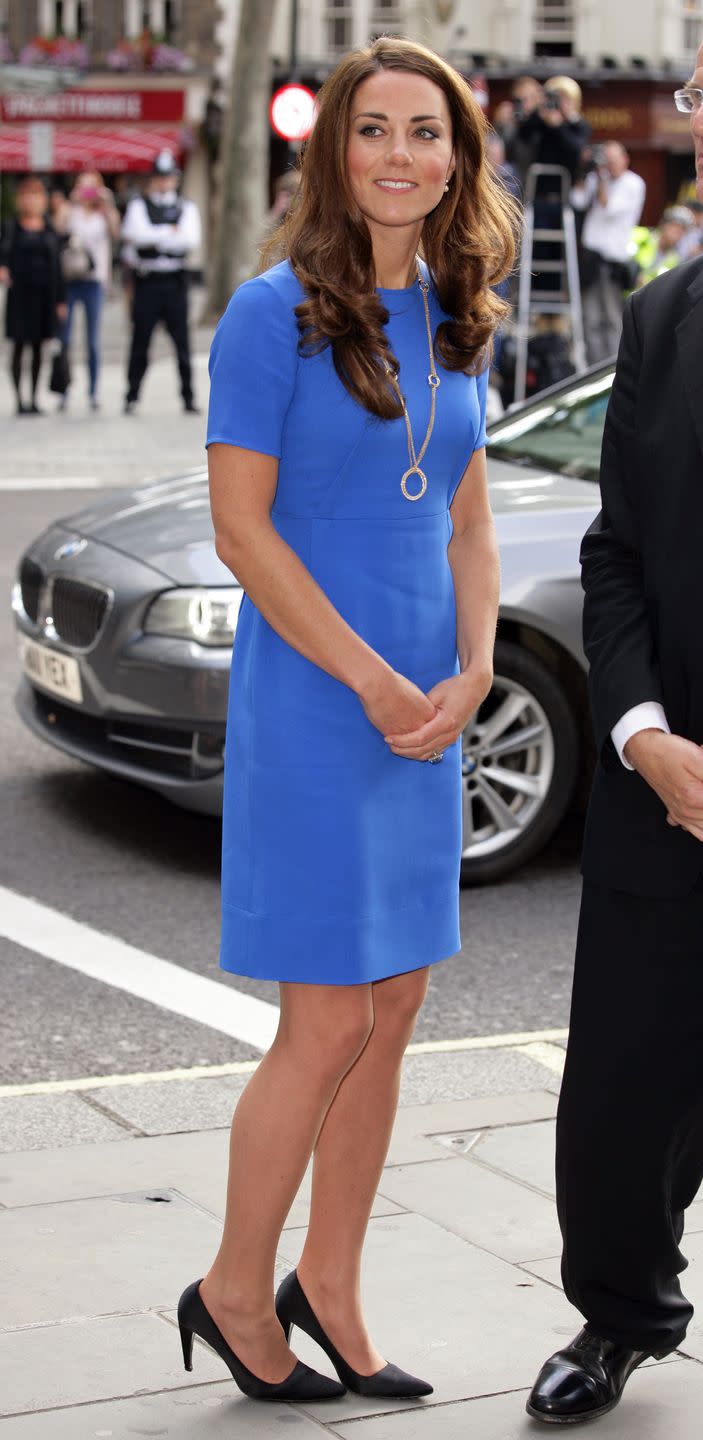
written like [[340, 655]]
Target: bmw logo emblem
[[71, 548], [469, 765]]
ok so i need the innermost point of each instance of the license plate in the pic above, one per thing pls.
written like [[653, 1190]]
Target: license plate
[[52, 671]]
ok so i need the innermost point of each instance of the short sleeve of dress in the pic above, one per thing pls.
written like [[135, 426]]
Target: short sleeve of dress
[[253, 364], [481, 391]]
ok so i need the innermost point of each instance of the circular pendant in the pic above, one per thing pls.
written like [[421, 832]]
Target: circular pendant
[[414, 470]]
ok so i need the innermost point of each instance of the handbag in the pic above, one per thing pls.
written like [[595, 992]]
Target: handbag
[[60, 377], [77, 263]]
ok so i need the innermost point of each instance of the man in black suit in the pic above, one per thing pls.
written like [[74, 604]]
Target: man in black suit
[[630, 1123]]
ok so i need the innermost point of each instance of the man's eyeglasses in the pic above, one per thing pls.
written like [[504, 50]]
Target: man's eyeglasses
[[688, 101]]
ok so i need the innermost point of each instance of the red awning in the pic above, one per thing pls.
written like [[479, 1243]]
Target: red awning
[[110, 148]]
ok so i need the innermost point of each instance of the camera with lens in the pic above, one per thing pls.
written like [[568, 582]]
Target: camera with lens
[[518, 111], [552, 101]]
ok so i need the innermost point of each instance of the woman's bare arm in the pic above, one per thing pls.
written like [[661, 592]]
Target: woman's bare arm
[[473, 556], [242, 489]]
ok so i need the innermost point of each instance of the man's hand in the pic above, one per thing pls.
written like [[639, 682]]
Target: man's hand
[[5, 278], [674, 769], [456, 699]]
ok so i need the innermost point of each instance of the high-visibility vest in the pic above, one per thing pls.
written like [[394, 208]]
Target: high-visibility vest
[[644, 248]]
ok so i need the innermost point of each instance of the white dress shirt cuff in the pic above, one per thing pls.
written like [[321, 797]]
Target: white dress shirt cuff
[[648, 716]]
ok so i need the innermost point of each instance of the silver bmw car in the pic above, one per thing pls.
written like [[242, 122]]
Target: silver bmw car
[[125, 618]]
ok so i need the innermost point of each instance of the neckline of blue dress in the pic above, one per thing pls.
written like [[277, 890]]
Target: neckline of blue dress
[[404, 289]]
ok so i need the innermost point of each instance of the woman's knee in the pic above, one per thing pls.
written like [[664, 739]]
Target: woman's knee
[[397, 1003], [331, 1029]]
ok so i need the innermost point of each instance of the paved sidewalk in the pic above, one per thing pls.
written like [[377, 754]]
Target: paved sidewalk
[[108, 448], [112, 1199]]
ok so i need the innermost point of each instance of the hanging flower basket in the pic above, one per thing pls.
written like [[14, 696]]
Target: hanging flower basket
[[147, 52], [55, 51]]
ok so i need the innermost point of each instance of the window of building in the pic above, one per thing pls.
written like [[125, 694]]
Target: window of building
[[553, 27], [386, 18], [692, 27], [71, 18], [339, 19], [158, 17]]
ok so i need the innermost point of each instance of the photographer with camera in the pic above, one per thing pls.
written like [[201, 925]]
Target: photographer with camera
[[526, 96], [555, 131], [612, 198]]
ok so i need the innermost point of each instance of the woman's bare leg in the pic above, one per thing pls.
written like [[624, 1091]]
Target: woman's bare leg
[[322, 1030], [349, 1158]]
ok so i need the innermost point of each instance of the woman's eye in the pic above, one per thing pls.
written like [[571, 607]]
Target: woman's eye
[[367, 129], [424, 131]]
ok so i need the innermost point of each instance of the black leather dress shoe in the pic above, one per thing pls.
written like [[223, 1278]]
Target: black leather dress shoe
[[583, 1381]]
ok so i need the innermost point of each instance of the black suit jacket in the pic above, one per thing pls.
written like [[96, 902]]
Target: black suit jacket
[[642, 565]]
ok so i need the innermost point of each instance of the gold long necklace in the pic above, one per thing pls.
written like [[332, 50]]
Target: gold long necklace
[[433, 382]]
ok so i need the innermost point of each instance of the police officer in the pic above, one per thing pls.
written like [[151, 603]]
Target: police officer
[[160, 229]]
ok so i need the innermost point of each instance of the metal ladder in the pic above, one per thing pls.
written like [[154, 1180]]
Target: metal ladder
[[564, 301]]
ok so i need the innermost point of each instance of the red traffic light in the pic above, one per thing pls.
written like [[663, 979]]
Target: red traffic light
[[292, 112]]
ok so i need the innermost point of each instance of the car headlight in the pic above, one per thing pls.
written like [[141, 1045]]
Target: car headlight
[[207, 616]]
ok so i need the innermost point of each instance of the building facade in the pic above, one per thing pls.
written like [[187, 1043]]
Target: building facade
[[144, 71], [628, 56]]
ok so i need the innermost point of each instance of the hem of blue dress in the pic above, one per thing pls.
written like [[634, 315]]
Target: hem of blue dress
[[335, 951]]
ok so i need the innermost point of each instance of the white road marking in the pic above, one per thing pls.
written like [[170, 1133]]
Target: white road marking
[[103, 957], [53, 482], [532, 1043]]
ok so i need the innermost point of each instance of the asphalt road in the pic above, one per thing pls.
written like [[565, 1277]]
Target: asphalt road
[[125, 862]]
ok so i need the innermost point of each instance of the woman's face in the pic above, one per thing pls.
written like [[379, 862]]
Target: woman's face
[[32, 204], [400, 150]]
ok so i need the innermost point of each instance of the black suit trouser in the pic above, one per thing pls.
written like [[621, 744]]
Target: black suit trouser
[[630, 1120], [159, 299]]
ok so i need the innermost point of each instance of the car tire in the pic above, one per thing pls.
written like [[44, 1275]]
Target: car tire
[[520, 761]]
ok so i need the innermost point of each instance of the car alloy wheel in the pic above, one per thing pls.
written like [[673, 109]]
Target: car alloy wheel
[[519, 767]]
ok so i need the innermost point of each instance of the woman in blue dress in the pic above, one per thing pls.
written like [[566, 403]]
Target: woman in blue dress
[[348, 488]]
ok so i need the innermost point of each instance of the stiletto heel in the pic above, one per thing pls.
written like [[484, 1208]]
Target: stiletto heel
[[302, 1384], [294, 1308], [187, 1343]]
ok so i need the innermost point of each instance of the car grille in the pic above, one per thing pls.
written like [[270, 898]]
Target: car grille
[[155, 749], [78, 611], [31, 579]]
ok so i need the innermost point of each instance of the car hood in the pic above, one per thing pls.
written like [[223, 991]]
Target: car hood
[[168, 525]]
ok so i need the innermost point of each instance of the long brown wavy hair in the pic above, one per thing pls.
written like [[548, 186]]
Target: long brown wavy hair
[[468, 240]]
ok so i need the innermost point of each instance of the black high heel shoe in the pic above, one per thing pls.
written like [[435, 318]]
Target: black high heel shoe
[[302, 1384], [293, 1308]]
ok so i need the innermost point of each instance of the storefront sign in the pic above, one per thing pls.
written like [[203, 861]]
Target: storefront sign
[[669, 128], [99, 105]]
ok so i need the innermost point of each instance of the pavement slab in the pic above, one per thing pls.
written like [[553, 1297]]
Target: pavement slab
[[659, 1403], [470, 1074], [442, 1308], [37, 1122], [89, 1359], [491, 1211], [87, 1258], [208, 1412]]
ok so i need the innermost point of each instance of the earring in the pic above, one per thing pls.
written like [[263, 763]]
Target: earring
[[446, 187]]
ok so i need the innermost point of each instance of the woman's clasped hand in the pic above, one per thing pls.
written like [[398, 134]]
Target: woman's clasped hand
[[415, 725]]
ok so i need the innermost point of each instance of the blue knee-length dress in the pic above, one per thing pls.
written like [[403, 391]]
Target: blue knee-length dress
[[340, 860]]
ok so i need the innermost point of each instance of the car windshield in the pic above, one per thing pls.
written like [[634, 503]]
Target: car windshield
[[564, 434]]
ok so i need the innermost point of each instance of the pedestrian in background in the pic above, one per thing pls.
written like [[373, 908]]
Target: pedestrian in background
[[656, 251], [31, 271], [554, 133], [363, 646], [692, 242], [630, 1122], [90, 223], [160, 230], [612, 197]]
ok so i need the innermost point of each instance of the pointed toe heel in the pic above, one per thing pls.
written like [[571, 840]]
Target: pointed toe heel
[[294, 1308], [303, 1384]]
